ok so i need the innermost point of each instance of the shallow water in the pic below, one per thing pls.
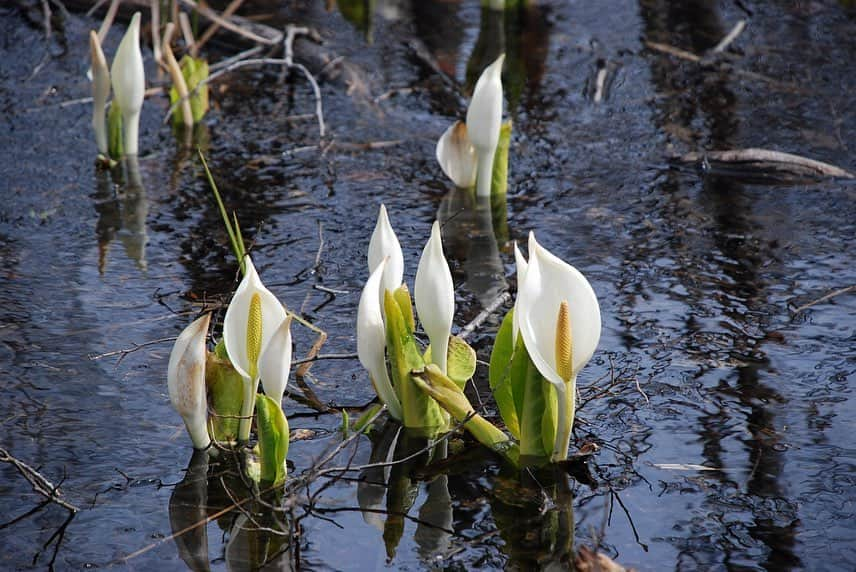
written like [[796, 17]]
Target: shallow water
[[725, 420]]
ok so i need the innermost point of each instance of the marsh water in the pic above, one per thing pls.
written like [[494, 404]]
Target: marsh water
[[720, 412]]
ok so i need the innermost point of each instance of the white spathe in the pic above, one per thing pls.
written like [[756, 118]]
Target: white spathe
[[548, 282], [457, 156], [371, 340], [484, 120], [186, 380], [235, 326], [275, 362], [235, 323], [100, 92], [434, 294], [384, 244], [129, 83], [521, 265]]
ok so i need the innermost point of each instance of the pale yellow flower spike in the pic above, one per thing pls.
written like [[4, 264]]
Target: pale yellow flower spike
[[254, 334], [564, 343]]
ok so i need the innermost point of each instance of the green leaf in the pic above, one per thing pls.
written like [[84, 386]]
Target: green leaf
[[220, 350], [194, 71], [273, 439], [346, 424], [234, 232], [402, 296], [500, 374], [460, 361], [499, 181], [362, 422], [419, 410], [533, 411], [115, 143], [225, 394]]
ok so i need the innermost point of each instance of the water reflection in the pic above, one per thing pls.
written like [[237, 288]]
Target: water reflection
[[473, 229], [396, 454], [214, 489], [122, 207], [533, 511], [522, 34], [724, 283]]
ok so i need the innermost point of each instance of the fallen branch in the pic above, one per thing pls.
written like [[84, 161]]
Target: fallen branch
[[497, 303], [824, 298], [765, 161], [729, 37], [38, 481]]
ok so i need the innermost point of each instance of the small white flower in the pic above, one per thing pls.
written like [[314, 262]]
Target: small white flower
[[100, 92], [186, 380], [435, 297], [484, 120], [384, 244], [457, 156], [129, 83], [275, 362], [371, 340], [559, 319]]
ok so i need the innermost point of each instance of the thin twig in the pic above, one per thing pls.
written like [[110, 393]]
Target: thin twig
[[186, 31], [212, 29], [230, 25], [126, 351], [825, 297], [319, 357], [38, 481], [476, 322], [729, 37]]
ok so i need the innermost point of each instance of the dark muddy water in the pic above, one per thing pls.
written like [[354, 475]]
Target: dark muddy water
[[725, 420]]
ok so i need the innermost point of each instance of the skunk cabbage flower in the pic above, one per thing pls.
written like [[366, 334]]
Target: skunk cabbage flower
[[275, 362], [484, 119], [253, 317], [371, 340], [457, 156], [186, 380], [384, 244], [559, 319], [100, 92], [129, 83], [466, 151], [435, 297]]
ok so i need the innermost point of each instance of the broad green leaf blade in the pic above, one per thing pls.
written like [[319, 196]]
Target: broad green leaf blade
[[531, 418], [225, 394], [460, 361], [499, 181], [419, 411], [500, 374], [273, 439]]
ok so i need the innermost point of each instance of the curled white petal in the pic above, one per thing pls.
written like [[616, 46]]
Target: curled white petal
[[484, 120], [275, 362], [100, 92], [457, 156], [235, 323], [434, 293], [186, 380], [549, 281], [521, 266], [129, 83], [385, 244], [371, 340]]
